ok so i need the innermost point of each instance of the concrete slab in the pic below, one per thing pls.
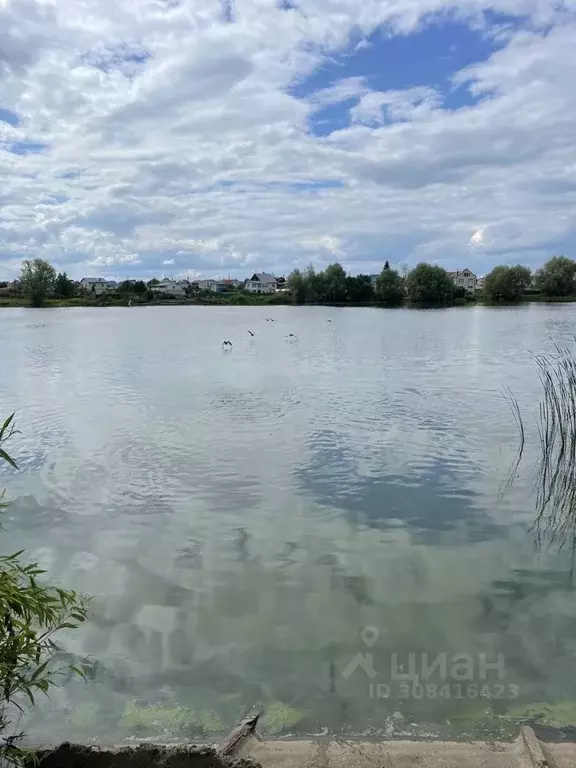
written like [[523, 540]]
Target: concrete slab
[[525, 752], [559, 755], [400, 754]]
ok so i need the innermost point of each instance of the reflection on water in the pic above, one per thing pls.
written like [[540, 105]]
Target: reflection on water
[[430, 501], [240, 519]]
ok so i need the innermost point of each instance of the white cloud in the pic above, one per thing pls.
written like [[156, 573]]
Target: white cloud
[[350, 87], [326, 242], [378, 107], [477, 238], [171, 135], [109, 261]]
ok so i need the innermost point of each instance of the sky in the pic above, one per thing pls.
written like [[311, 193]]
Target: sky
[[223, 137]]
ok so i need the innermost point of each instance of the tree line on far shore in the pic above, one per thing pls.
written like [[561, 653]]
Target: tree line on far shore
[[431, 284], [427, 284]]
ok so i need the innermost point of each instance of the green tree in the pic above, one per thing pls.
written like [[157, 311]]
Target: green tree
[[359, 288], [125, 287], [64, 288], [314, 285], [389, 286], [297, 287], [556, 277], [31, 613], [429, 284], [333, 283], [507, 283], [132, 288], [38, 278]]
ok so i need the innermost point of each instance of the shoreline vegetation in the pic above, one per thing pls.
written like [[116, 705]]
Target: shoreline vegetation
[[426, 285], [256, 301]]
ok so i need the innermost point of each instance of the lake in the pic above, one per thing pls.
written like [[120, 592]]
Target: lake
[[307, 524]]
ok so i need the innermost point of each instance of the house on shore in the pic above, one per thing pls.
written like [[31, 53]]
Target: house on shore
[[212, 285], [10, 288], [261, 282], [281, 285], [167, 287], [97, 285], [464, 279]]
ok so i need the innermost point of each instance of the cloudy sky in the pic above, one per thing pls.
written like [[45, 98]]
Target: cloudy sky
[[220, 137]]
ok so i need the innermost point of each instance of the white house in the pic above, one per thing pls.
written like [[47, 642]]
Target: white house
[[464, 279], [95, 284], [215, 286], [261, 282], [169, 287]]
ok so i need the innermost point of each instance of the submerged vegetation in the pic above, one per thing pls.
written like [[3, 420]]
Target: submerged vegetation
[[172, 721], [31, 613]]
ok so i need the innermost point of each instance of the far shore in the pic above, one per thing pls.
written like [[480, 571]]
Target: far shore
[[267, 301]]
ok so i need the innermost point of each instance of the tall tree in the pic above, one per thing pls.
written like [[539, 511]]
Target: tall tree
[[359, 288], [556, 277], [297, 287], [389, 286], [334, 283], [37, 279], [314, 285], [429, 284], [64, 288], [507, 283]]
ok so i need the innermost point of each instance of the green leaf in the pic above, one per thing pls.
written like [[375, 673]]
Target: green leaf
[[7, 458], [39, 671], [78, 671], [7, 423]]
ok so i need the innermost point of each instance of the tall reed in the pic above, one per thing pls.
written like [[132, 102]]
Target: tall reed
[[555, 484]]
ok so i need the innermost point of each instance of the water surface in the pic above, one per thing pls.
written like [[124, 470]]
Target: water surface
[[242, 517]]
